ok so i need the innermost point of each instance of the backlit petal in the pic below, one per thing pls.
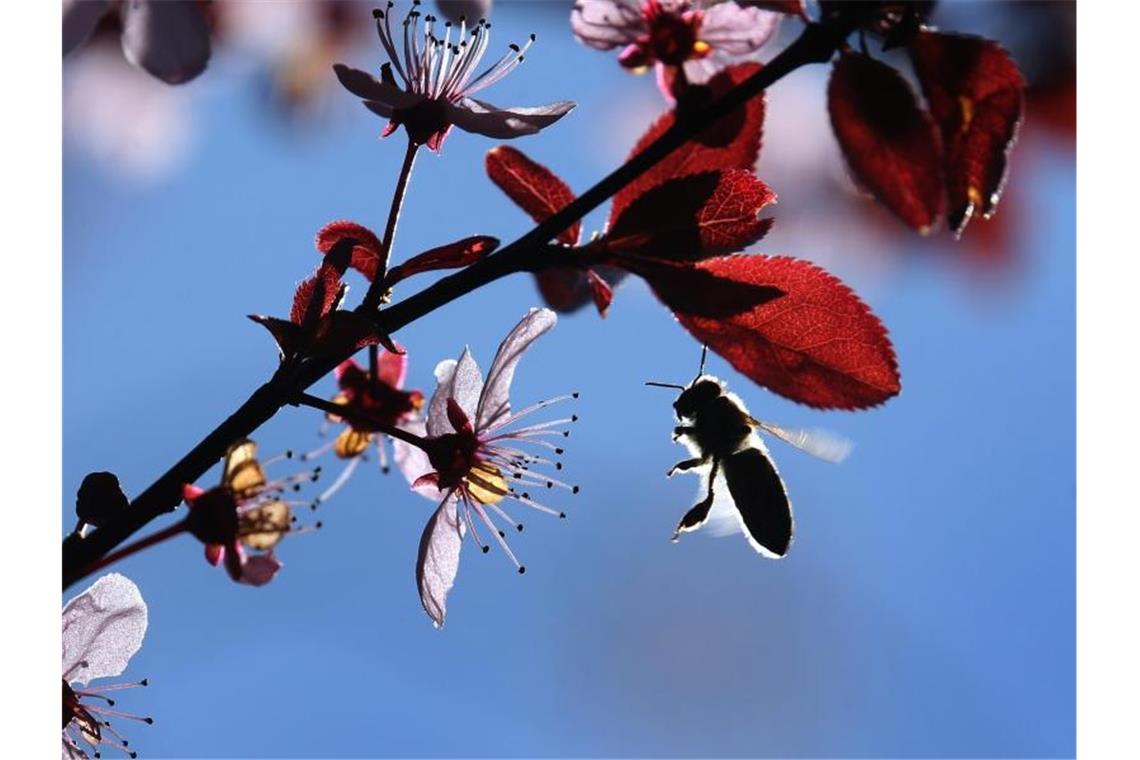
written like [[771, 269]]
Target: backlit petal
[[494, 403], [438, 561], [102, 629], [170, 40], [482, 118], [606, 24]]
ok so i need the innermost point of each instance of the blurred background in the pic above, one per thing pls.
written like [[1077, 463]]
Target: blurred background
[[927, 605]]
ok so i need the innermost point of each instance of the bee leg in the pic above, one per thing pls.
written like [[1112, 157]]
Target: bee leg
[[697, 516], [686, 464], [681, 430]]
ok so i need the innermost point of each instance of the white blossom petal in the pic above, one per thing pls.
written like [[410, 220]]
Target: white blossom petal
[[606, 24], [437, 423], [378, 93], [473, 115], [80, 18], [413, 461], [734, 30], [438, 560], [466, 386], [102, 629], [495, 403], [170, 40]]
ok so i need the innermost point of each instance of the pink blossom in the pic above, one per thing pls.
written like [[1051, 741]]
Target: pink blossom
[[436, 82], [470, 463], [688, 40]]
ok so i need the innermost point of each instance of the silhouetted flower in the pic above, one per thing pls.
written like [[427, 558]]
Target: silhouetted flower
[[103, 627], [368, 397], [470, 464], [695, 38], [246, 511], [437, 82]]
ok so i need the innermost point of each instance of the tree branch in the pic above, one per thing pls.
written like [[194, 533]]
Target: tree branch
[[816, 44]]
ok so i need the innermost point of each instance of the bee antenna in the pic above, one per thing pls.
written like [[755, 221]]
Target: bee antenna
[[664, 385], [704, 355]]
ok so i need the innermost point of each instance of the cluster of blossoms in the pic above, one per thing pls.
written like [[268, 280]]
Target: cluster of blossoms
[[103, 627]]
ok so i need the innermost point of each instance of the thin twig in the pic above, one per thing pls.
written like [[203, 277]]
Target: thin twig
[[376, 289]]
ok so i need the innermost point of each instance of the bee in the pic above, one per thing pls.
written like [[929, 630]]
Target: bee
[[720, 434]]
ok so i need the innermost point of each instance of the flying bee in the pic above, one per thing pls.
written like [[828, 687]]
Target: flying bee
[[720, 434]]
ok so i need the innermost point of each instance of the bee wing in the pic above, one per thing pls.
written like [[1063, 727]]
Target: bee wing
[[761, 501], [819, 443]]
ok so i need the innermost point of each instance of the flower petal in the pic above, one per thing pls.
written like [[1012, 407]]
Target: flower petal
[[375, 91], [606, 24], [437, 423], [392, 368], [170, 40], [731, 29], [413, 461], [438, 561], [482, 118], [259, 569], [102, 629], [494, 402], [80, 18]]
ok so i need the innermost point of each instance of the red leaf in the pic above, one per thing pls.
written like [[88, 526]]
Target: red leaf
[[694, 217], [365, 254], [976, 94], [566, 290], [286, 334], [690, 289], [818, 344], [602, 292], [891, 145], [731, 143], [533, 187], [461, 253], [316, 296]]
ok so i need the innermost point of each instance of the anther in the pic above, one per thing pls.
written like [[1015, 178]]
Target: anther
[[144, 682], [296, 487], [561, 515], [558, 451], [485, 549], [522, 569], [148, 721], [519, 527], [502, 534], [565, 433], [533, 37], [574, 394], [377, 13], [574, 489], [573, 418], [288, 453], [514, 47], [558, 465], [319, 525]]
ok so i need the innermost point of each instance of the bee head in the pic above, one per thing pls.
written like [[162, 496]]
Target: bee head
[[696, 396]]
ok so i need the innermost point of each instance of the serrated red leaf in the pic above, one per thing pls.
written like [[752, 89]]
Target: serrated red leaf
[[461, 253], [732, 143], [892, 146], [686, 288], [365, 253], [976, 95], [316, 296], [817, 344], [694, 217], [533, 187], [285, 334]]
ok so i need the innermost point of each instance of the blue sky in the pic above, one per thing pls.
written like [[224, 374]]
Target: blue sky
[[926, 608]]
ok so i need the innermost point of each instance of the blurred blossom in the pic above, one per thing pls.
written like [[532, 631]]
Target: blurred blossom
[[103, 627], [131, 124], [438, 82], [170, 40], [688, 40]]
